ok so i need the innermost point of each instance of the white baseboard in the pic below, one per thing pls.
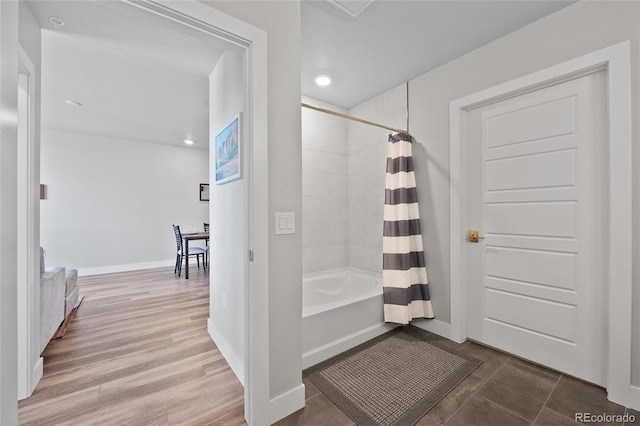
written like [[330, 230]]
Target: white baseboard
[[325, 352], [287, 403], [36, 374], [34, 379], [634, 401], [236, 364], [125, 268], [437, 327]]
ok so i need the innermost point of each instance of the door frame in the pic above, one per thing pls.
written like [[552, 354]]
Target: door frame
[[616, 61], [252, 42], [30, 363]]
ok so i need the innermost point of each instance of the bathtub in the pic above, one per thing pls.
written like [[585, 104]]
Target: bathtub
[[341, 308]]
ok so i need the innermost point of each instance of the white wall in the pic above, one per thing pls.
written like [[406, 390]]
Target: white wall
[[111, 202], [325, 189], [281, 21], [8, 217], [228, 238], [367, 170], [574, 31]]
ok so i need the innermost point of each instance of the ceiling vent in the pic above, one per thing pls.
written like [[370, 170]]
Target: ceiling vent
[[352, 8]]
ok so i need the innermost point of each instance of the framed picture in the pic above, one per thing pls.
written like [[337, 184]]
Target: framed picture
[[228, 153], [204, 192]]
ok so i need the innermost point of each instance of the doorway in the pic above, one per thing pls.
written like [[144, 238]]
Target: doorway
[[515, 302], [535, 173], [251, 42]]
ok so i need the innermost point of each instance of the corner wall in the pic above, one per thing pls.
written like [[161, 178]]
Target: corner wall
[[367, 171]]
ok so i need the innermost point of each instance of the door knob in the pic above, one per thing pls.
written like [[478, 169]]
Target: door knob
[[474, 236]]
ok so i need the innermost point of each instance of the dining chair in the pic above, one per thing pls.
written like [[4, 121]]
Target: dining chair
[[193, 251], [206, 249]]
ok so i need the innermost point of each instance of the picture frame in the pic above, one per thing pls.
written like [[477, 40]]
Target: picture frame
[[204, 192], [227, 145]]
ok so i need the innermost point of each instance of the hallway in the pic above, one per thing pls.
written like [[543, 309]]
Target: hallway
[[138, 352]]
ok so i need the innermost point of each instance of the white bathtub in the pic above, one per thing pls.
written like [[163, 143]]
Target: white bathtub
[[341, 308]]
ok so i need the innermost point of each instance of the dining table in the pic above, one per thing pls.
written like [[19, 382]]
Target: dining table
[[192, 236]]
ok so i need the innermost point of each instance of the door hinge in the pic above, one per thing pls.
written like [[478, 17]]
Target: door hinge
[[250, 255]]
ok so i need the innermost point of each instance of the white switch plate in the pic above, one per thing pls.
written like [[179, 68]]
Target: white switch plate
[[285, 223]]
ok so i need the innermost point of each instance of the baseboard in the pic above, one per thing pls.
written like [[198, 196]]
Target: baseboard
[[437, 327], [36, 374], [125, 268], [634, 400], [287, 403], [236, 364], [338, 346]]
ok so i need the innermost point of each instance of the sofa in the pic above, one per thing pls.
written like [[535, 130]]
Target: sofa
[[58, 296]]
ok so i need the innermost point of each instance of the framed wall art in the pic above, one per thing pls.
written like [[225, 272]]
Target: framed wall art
[[228, 153], [204, 192]]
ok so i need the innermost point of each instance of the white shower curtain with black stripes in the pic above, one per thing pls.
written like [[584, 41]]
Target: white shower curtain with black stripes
[[404, 273]]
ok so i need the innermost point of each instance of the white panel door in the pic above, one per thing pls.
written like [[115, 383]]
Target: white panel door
[[537, 193]]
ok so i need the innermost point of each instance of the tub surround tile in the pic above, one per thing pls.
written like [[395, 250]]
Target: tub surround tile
[[316, 183], [315, 233], [320, 258], [337, 185], [338, 232]]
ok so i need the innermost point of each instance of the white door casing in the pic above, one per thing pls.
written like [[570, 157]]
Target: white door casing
[[30, 364], [252, 42], [535, 188], [617, 247]]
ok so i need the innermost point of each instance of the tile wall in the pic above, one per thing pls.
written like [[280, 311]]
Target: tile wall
[[343, 173], [367, 165], [325, 203]]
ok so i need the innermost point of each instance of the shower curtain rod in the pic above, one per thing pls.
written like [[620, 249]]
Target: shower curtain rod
[[348, 117]]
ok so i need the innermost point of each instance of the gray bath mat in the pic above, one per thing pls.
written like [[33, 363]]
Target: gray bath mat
[[392, 380]]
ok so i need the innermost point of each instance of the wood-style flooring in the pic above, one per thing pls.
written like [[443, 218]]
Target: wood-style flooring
[[137, 353]]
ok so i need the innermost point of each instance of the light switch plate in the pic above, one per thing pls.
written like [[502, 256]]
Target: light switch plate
[[285, 223]]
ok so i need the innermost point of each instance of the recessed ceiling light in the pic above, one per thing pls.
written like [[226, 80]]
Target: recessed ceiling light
[[189, 141], [56, 22], [73, 103], [323, 80]]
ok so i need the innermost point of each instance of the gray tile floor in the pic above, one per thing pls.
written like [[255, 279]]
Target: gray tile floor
[[504, 390]]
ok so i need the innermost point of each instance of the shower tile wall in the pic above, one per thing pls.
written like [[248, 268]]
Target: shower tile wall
[[325, 203], [343, 172], [367, 166]]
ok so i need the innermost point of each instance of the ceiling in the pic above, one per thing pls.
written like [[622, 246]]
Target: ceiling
[[392, 41], [141, 77], [137, 76]]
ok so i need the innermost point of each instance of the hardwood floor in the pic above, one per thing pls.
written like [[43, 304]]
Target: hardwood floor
[[137, 353]]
